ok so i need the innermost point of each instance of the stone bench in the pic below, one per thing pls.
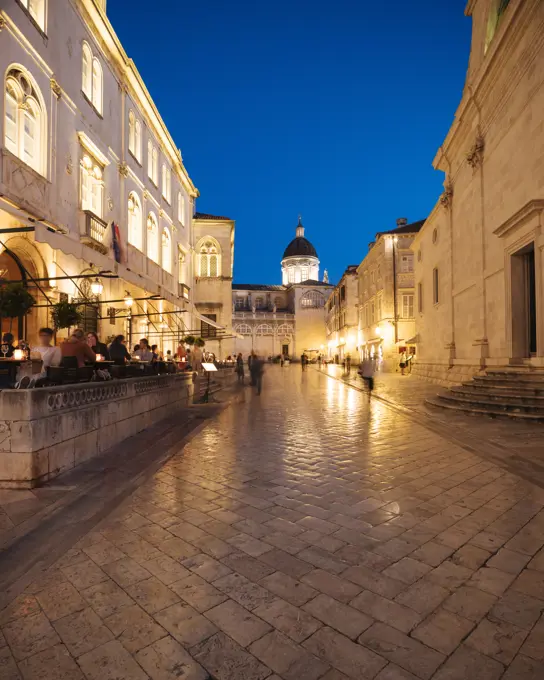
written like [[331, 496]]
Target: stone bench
[[48, 430]]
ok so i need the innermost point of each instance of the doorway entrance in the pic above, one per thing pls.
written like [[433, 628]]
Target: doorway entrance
[[11, 269], [524, 322], [285, 350]]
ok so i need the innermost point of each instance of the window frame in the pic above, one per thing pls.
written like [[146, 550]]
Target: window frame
[[436, 286], [39, 23], [92, 78], [91, 187], [166, 249], [152, 226], [407, 306], [132, 226]]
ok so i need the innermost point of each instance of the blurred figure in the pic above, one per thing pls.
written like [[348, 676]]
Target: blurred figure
[[50, 355], [367, 374], [144, 353], [7, 340], [76, 347], [240, 368], [257, 371]]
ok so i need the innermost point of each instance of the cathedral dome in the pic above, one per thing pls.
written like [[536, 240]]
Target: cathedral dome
[[300, 246]]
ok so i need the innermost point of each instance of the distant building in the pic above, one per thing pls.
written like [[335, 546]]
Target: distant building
[[213, 262], [283, 319], [342, 317], [479, 266], [386, 296]]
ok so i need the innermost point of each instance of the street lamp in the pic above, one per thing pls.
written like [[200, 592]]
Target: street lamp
[[128, 299], [96, 287]]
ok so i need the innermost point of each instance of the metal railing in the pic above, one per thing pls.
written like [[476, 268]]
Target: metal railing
[[237, 314]]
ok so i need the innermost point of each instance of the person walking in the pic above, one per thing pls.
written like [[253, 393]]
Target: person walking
[[282, 360], [348, 364], [403, 361], [257, 371], [367, 374], [249, 364], [303, 361], [240, 368]]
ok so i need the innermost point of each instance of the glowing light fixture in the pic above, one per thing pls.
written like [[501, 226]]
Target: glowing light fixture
[[378, 331], [129, 301], [97, 287], [18, 354]]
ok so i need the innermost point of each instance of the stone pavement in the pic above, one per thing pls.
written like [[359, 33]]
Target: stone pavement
[[306, 534]]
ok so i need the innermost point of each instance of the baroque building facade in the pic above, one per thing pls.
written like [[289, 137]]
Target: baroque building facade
[[386, 292], [479, 267], [286, 319], [342, 317], [96, 204]]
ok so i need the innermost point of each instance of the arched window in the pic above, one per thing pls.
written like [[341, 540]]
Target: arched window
[[87, 73], [149, 159], [97, 85], [312, 298], [285, 329], [264, 329], [92, 186], [291, 275], [243, 329], [134, 221], [24, 128], [209, 258], [152, 238], [131, 132], [138, 141], [166, 184], [91, 77], [496, 12], [181, 208], [166, 244], [36, 9], [155, 175], [305, 273]]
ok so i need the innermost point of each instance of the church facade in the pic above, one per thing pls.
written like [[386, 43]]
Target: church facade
[[288, 318]]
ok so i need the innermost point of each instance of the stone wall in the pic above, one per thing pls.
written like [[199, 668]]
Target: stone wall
[[46, 431], [442, 374]]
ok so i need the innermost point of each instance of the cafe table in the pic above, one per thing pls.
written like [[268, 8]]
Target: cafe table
[[9, 368]]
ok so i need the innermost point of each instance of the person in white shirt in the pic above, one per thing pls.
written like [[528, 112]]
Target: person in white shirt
[[50, 354], [144, 353]]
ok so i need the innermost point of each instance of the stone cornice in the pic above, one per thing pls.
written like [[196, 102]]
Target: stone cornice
[[530, 209], [517, 21]]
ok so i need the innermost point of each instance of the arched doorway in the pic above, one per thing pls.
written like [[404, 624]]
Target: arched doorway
[[11, 269]]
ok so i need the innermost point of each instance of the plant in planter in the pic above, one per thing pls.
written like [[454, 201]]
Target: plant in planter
[[65, 315], [199, 342], [189, 340], [15, 300]]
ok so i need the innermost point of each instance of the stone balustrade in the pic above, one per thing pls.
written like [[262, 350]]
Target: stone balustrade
[[48, 430]]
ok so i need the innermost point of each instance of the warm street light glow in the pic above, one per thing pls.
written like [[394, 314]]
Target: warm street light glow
[[18, 354], [97, 287], [129, 301], [378, 331]]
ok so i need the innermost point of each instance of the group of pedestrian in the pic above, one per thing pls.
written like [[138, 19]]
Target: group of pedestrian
[[255, 365]]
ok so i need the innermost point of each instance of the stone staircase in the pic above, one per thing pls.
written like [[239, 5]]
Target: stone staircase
[[516, 392]]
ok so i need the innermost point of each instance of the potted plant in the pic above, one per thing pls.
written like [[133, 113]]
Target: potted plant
[[15, 300], [65, 315], [189, 340], [199, 342]]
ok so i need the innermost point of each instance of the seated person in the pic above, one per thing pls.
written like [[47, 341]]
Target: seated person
[[7, 339], [50, 355], [76, 347], [118, 351], [97, 346], [144, 352]]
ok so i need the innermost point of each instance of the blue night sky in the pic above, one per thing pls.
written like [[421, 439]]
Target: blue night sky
[[331, 110]]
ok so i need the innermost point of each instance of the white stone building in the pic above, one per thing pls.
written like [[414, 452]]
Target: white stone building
[[90, 178], [386, 296], [479, 268], [283, 319], [342, 317]]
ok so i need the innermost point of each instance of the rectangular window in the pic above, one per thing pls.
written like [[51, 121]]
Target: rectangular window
[[29, 140], [207, 331], [372, 313], [239, 303], [150, 160], [379, 309], [407, 264], [407, 306], [420, 298], [436, 291]]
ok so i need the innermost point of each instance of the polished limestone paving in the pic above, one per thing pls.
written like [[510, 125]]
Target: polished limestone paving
[[307, 533]]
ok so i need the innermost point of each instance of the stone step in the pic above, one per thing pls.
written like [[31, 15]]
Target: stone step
[[472, 409], [520, 390], [479, 402], [526, 381], [500, 396]]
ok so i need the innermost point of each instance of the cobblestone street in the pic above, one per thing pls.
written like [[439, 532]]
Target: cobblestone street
[[305, 534]]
